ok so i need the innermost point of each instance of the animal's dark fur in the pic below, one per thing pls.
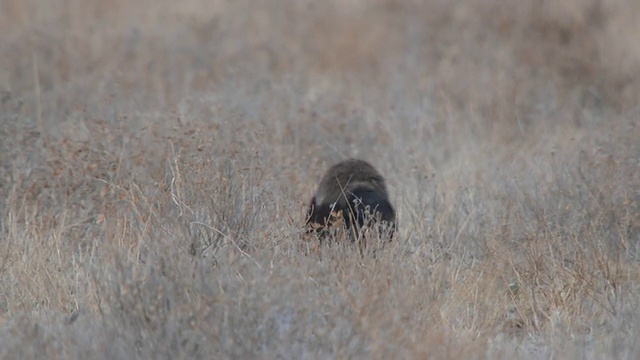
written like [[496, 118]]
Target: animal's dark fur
[[352, 193]]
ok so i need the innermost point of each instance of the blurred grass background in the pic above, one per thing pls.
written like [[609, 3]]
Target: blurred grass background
[[156, 160]]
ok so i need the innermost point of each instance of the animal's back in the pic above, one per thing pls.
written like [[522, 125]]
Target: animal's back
[[349, 174], [352, 192]]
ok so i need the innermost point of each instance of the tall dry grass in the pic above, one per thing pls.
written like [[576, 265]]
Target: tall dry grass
[[156, 160]]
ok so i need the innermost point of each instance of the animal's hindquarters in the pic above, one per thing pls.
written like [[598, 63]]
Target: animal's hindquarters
[[352, 195]]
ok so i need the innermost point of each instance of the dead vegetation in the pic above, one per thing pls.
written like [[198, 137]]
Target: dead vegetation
[[155, 162]]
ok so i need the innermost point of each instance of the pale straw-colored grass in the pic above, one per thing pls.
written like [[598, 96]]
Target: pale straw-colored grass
[[156, 161]]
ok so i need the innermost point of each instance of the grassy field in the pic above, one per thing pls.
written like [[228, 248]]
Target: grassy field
[[157, 159]]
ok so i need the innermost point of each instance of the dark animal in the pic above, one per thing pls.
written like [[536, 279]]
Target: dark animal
[[353, 195]]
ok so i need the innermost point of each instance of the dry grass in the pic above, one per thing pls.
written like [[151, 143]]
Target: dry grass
[[156, 161]]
